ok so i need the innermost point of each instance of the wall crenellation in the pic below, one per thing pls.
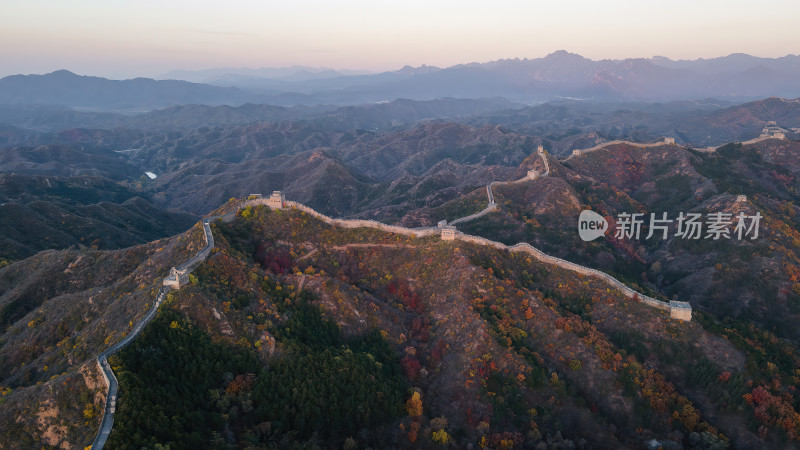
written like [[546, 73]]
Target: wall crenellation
[[678, 310]]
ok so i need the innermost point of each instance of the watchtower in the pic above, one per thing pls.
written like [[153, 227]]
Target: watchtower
[[680, 310], [277, 200], [448, 233], [176, 278]]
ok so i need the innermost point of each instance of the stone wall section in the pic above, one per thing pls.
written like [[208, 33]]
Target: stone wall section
[[666, 141], [521, 247], [102, 359]]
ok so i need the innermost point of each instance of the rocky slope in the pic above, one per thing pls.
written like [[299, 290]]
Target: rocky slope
[[58, 310]]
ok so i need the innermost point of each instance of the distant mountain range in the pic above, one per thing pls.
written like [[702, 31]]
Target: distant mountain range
[[369, 116], [95, 93], [559, 75], [228, 75]]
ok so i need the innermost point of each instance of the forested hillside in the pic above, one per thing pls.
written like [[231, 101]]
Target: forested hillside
[[313, 334]]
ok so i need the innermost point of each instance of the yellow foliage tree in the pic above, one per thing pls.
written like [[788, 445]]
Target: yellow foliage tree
[[441, 437], [89, 411], [414, 405]]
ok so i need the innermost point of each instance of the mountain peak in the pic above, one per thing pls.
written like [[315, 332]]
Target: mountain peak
[[63, 73], [418, 70], [563, 54]]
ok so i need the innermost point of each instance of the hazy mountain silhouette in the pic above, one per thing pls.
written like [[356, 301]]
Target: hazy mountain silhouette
[[558, 75], [66, 88]]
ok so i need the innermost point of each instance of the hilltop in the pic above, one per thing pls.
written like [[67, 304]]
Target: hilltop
[[497, 347]]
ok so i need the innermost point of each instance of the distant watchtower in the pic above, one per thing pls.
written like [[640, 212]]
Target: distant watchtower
[[773, 131], [669, 140], [176, 278], [448, 233], [276, 200], [680, 311]]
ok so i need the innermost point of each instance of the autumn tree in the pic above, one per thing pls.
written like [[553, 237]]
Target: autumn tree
[[414, 405]]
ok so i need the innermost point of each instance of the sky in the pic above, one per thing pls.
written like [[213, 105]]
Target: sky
[[126, 38]]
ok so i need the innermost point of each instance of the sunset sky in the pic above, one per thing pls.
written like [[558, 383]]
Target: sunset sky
[[124, 38]]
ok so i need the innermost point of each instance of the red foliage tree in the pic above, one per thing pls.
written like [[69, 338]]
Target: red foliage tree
[[411, 366]]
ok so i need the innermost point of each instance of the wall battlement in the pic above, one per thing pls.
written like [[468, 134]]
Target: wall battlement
[[678, 310]]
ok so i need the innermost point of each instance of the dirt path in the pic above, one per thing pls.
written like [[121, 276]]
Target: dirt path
[[348, 246]]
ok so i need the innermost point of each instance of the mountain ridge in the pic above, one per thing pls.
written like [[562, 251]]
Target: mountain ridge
[[557, 75]]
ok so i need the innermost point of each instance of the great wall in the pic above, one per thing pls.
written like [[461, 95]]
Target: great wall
[[179, 275], [678, 310], [666, 141], [176, 275], [532, 175]]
